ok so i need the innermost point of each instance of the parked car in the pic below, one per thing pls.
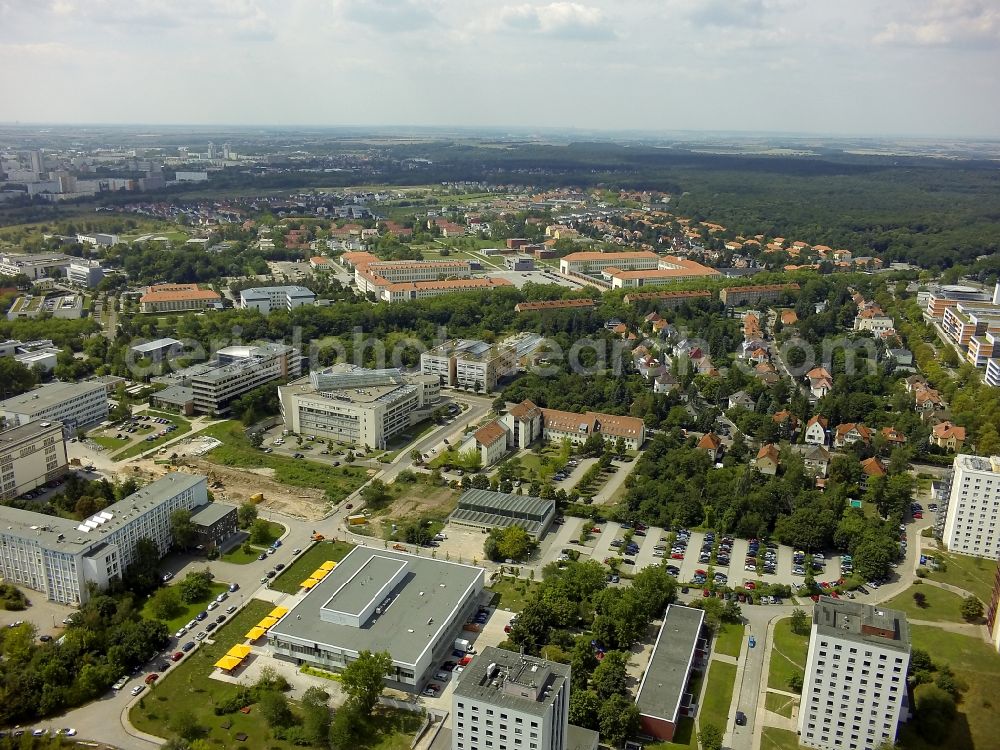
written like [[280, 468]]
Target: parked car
[[138, 689]]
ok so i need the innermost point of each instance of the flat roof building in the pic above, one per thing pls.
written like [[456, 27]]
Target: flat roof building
[[268, 298], [854, 689], [663, 695], [77, 405], [38, 266], [60, 557], [486, 509], [31, 455], [738, 296], [177, 298], [971, 503], [525, 698], [358, 406], [157, 349], [380, 600]]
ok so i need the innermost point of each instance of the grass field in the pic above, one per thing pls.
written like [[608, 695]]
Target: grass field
[[973, 574], [718, 695], [939, 605], [142, 446], [108, 443], [780, 704], [187, 689], [337, 481], [728, 640], [238, 557], [773, 738], [512, 592], [190, 610], [307, 562], [788, 655], [977, 666]]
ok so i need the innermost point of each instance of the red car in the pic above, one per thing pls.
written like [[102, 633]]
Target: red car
[[918, 515], [704, 592], [151, 678], [506, 628], [177, 656], [595, 530], [676, 556]]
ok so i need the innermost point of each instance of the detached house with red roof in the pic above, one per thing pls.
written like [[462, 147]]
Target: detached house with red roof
[[948, 436], [820, 381], [871, 468], [767, 460], [711, 444], [816, 430], [850, 433]]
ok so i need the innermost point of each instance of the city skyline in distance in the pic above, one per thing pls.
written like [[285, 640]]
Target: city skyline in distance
[[895, 68]]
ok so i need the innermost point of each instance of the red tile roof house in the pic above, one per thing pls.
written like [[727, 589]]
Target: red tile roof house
[[767, 460], [850, 433], [711, 444], [948, 436], [871, 468]]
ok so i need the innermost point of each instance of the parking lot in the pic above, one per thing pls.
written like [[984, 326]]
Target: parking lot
[[774, 564], [520, 278]]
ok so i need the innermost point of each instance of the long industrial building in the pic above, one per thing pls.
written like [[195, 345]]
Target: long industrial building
[[354, 405], [380, 600], [60, 557], [31, 455]]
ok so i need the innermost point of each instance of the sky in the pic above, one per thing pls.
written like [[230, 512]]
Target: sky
[[851, 67]]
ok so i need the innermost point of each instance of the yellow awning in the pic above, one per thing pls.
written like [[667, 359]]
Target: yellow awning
[[328, 565], [255, 633], [278, 612], [319, 574], [308, 583], [228, 663], [267, 622], [240, 651]]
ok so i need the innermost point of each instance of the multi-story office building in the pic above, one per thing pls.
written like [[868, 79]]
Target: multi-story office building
[[354, 405], [268, 298], [41, 353], [477, 365], [380, 600], [941, 298], [240, 369], [88, 273], [30, 455], [854, 690], [509, 701], [177, 298], [590, 262], [76, 405], [971, 518], [414, 290], [33, 266], [60, 557]]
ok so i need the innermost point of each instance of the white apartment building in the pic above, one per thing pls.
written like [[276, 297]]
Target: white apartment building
[[76, 405], [876, 323], [268, 298], [971, 518], [854, 690], [30, 455], [353, 405], [60, 557], [508, 701]]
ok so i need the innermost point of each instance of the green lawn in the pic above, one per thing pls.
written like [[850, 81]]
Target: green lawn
[[780, 704], [977, 666], [307, 562], [187, 688], [337, 481], [684, 737], [939, 605], [512, 592], [773, 738], [718, 695], [973, 574], [237, 556], [395, 730], [728, 640], [788, 655], [142, 446], [190, 610], [108, 443]]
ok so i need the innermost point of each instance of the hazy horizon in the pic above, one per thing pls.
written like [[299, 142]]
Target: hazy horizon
[[860, 68]]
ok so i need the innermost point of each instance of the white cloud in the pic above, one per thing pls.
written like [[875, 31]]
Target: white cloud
[[565, 20], [959, 23], [390, 15]]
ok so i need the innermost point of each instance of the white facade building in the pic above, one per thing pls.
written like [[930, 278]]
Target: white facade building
[[60, 557], [854, 690], [970, 526], [88, 273], [268, 298], [30, 455], [353, 405], [508, 701], [76, 405], [33, 266]]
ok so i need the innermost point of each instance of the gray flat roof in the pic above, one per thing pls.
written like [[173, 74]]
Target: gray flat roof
[[157, 345], [175, 394], [209, 513], [862, 623], [27, 431], [265, 291], [488, 508], [48, 529], [48, 395], [666, 677], [361, 588], [541, 677], [431, 590]]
